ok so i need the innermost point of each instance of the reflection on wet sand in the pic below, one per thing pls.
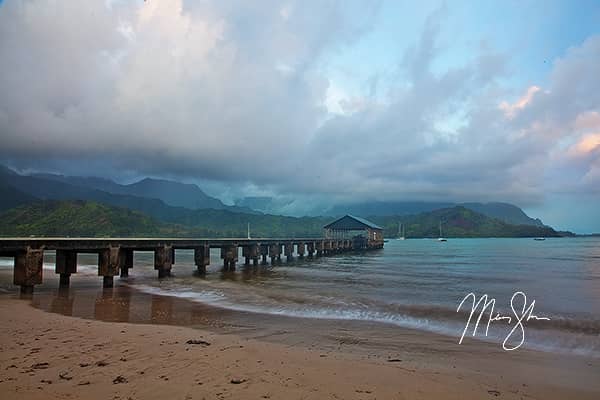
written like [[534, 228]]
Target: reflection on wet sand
[[123, 304], [111, 307], [161, 311], [62, 303]]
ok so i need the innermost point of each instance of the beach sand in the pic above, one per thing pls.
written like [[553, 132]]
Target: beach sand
[[51, 356]]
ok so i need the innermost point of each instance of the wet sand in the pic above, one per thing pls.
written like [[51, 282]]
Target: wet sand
[[50, 355]]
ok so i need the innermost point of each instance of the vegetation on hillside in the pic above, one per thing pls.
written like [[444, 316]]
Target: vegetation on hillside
[[84, 218], [457, 222]]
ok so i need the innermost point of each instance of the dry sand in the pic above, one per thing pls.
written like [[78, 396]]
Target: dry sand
[[50, 356]]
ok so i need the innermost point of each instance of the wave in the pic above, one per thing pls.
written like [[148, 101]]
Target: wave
[[560, 335]]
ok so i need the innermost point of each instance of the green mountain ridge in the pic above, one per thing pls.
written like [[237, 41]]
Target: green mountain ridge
[[175, 202], [84, 218], [457, 222]]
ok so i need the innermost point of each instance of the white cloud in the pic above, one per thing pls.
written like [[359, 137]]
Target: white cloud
[[510, 110]]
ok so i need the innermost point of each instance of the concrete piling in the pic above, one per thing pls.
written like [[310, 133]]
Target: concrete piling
[[28, 269], [127, 263], [110, 261], [202, 258], [116, 254], [275, 253], [289, 251], [163, 261], [66, 264], [229, 254]]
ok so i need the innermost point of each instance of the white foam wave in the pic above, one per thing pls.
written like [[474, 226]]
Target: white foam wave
[[555, 342]]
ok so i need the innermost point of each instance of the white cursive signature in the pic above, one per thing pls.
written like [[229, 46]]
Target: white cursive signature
[[524, 314]]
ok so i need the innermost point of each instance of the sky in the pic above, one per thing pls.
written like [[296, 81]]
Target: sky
[[315, 101]]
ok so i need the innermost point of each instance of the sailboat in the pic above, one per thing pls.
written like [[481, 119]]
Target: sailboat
[[441, 238], [401, 231]]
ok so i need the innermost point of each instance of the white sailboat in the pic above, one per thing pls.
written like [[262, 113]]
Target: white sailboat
[[441, 238], [401, 231]]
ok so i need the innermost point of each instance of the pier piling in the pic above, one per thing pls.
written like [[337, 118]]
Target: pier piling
[[110, 261], [163, 260], [202, 258], [229, 254], [127, 263], [289, 251], [66, 264], [28, 269], [116, 255]]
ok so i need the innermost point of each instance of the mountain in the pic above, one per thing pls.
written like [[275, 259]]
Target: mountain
[[506, 212], [55, 187], [170, 192], [84, 218], [12, 197], [76, 218], [458, 222], [23, 189]]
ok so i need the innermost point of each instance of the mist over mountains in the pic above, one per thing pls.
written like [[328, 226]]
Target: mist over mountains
[[184, 209], [506, 212]]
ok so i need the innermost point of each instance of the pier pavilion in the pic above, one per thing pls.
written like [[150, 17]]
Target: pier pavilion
[[363, 233]]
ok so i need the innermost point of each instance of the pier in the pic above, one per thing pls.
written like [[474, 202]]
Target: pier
[[115, 255]]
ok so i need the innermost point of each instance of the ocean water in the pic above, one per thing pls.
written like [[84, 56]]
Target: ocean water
[[415, 284]]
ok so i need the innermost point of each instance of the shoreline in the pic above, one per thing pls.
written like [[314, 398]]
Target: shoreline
[[156, 362]]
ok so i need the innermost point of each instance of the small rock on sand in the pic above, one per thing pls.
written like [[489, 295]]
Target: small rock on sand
[[65, 375], [120, 379], [198, 341], [237, 381]]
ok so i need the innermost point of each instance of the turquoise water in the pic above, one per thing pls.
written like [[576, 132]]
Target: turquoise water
[[413, 283]]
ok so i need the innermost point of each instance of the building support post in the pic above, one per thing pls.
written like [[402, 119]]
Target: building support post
[[28, 269], [320, 245], [310, 249]]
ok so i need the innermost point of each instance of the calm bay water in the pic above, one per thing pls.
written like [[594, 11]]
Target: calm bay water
[[413, 283]]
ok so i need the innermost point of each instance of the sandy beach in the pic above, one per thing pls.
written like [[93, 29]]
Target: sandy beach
[[51, 356]]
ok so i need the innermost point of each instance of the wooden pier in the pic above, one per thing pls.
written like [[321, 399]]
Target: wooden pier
[[115, 255]]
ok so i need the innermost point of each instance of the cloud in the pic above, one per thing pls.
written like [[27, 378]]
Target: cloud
[[236, 92], [510, 110], [211, 90]]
